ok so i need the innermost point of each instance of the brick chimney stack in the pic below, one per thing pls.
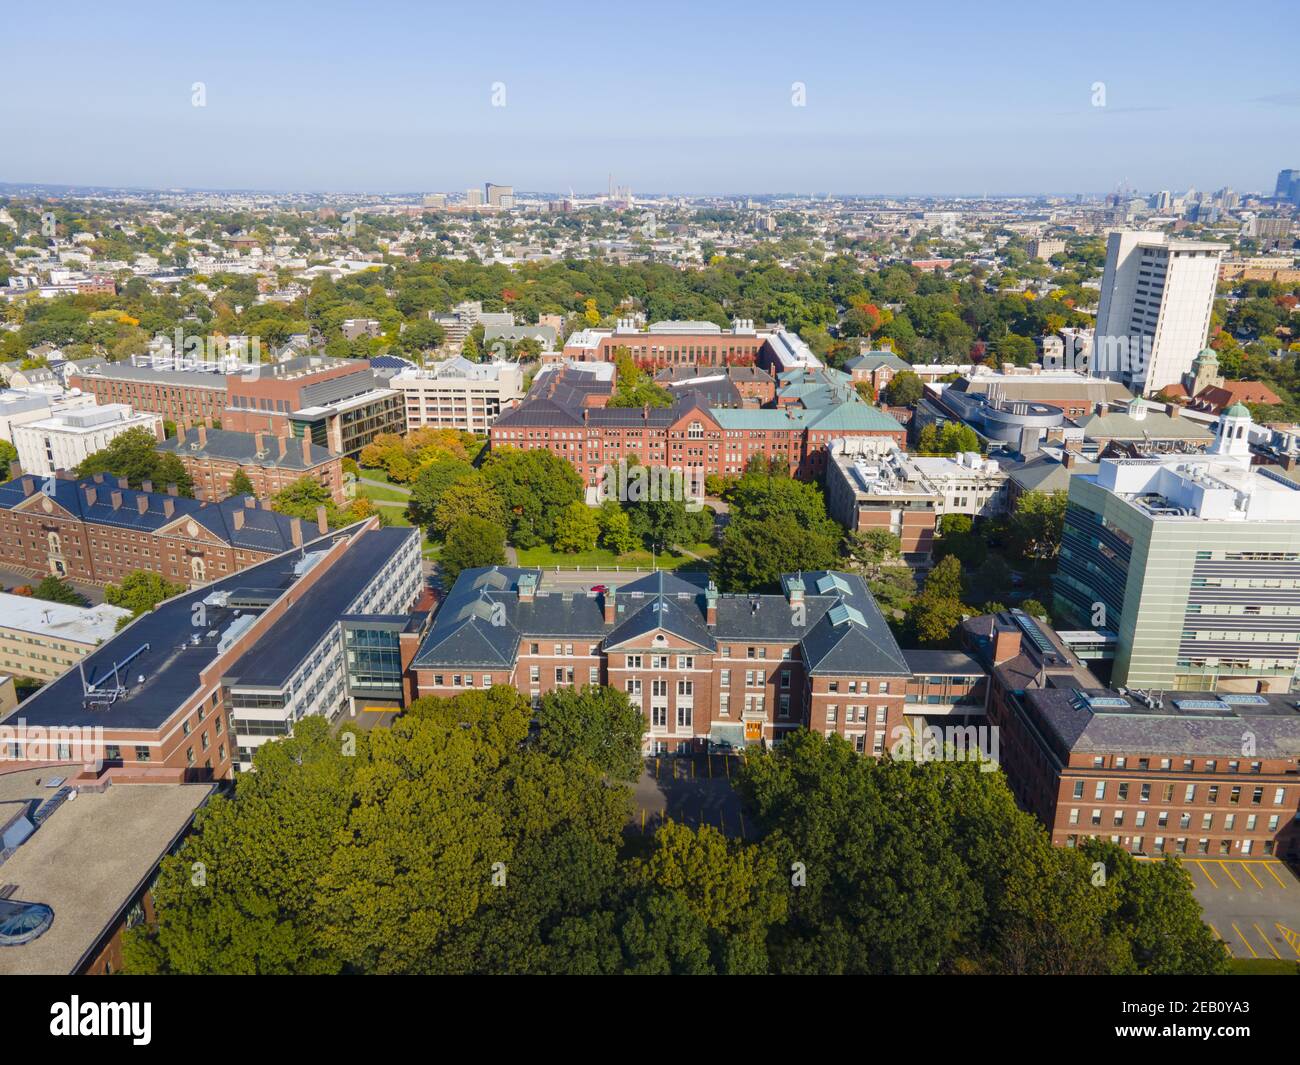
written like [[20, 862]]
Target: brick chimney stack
[[203, 435], [1006, 645], [116, 497], [711, 605], [259, 441], [237, 517], [169, 508], [611, 608], [141, 503], [306, 450], [15, 470], [90, 495], [322, 522], [172, 489], [295, 531], [284, 446], [180, 434], [146, 486]]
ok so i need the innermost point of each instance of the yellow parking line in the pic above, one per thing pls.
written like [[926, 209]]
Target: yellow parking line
[[1268, 942], [1289, 936], [1244, 940], [1229, 873], [1201, 866], [1215, 931], [1280, 882], [1251, 875]]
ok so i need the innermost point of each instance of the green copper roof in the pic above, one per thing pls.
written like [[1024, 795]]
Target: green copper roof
[[1237, 410]]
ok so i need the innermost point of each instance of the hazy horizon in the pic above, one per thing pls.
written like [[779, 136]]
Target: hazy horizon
[[392, 97]]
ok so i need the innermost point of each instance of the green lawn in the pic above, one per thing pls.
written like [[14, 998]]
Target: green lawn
[[375, 474], [1264, 967], [390, 494], [545, 557]]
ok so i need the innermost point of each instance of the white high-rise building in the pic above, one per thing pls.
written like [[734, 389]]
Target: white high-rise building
[[1154, 313]]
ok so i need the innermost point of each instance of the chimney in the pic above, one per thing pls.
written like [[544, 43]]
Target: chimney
[[527, 586], [238, 518], [146, 486], [1172, 409], [306, 450], [141, 503], [295, 531], [180, 434], [203, 436], [122, 482], [322, 522], [711, 605], [250, 501], [1070, 459], [1006, 644], [1030, 437], [116, 497], [794, 590], [171, 488], [29, 486], [259, 441], [1289, 462], [99, 478], [15, 470], [611, 610], [91, 495], [169, 508], [284, 446]]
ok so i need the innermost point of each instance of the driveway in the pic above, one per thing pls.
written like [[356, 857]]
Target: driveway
[[692, 790]]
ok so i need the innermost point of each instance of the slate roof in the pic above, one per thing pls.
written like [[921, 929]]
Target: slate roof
[[1170, 729], [482, 621], [873, 360], [233, 446], [263, 530]]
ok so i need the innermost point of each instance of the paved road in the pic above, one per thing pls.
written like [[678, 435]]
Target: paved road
[[13, 578], [400, 489], [573, 580]]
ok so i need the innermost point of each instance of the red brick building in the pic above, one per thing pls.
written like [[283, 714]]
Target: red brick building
[[98, 530], [212, 457], [1194, 773], [185, 397], [704, 667], [567, 413]]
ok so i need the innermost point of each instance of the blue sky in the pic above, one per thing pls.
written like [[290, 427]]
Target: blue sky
[[921, 97]]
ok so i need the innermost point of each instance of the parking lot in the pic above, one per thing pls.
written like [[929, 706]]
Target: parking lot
[[1253, 905], [692, 790]]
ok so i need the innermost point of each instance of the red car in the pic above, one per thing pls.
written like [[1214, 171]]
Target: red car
[[600, 589]]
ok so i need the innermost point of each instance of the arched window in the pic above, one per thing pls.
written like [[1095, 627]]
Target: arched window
[[197, 569]]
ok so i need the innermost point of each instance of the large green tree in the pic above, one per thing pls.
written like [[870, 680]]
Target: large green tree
[[534, 487], [132, 455]]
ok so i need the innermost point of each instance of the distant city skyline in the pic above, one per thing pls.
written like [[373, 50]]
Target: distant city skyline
[[391, 96]]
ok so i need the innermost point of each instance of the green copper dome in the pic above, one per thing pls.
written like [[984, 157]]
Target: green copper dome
[[1237, 410]]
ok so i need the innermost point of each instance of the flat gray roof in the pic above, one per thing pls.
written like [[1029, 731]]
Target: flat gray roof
[[87, 860]]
